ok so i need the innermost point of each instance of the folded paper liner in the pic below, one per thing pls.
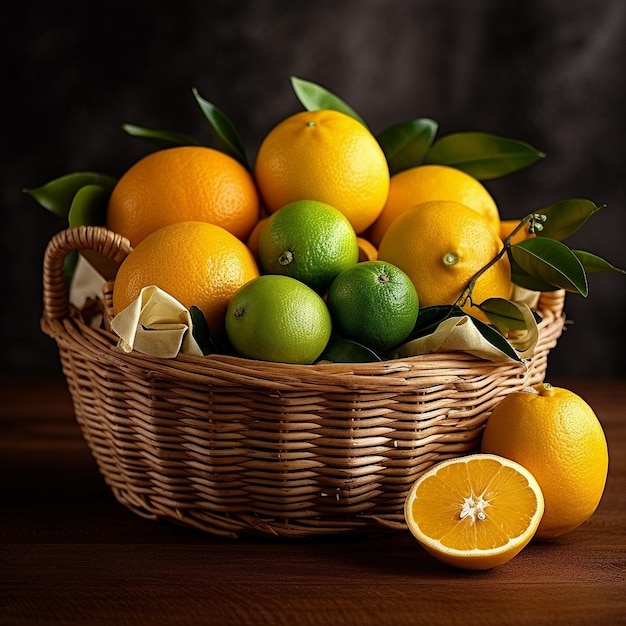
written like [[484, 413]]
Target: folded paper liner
[[155, 324], [456, 334], [86, 283]]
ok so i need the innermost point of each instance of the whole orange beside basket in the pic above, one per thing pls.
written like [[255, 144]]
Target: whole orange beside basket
[[233, 446]]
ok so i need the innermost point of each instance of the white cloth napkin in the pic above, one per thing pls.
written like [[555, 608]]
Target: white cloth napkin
[[155, 324]]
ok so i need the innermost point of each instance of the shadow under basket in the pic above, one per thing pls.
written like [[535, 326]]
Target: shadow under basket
[[233, 446]]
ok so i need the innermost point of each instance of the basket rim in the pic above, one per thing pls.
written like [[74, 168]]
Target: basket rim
[[101, 345], [65, 324]]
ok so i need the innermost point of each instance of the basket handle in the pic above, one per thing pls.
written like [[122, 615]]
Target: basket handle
[[103, 248]]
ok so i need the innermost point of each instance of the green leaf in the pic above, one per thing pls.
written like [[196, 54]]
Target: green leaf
[[565, 218], [482, 155], [228, 137], [341, 350], [516, 321], [207, 343], [459, 333], [523, 279], [313, 97], [594, 263], [430, 317], [405, 144], [505, 314], [56, 196], [89, 206], [160, 138], [552, 262], [496, 339]]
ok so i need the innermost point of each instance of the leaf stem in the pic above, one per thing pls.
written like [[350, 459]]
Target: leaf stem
[[534, 220]]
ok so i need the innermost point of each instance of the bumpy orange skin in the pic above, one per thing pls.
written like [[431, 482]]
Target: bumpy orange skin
[[508, 226], [197, 263], [182, 184], [253, 239], [441, 245], [325, 156], [425, 183], [367, 250], [556, 435]]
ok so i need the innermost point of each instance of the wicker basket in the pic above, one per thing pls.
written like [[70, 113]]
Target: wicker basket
[[233, 446]]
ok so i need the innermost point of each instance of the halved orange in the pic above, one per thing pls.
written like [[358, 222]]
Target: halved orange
[[474, 512]]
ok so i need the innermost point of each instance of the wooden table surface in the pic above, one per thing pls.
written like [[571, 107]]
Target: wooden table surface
[[70, 554]]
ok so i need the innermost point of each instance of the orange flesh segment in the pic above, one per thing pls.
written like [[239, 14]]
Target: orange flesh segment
[[510, 504]]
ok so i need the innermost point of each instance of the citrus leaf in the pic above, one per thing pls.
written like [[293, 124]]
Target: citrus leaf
[[313, 97], [565, 218], [430, 317], [523, 279], [460, 333], [482, 155], [228, 138], [552, 262], [341, 350], [405, 144], [504, 314], [89, 206], [496, 339], [517, 322], [56, 196], [160, 138], [593, 263], [207, 343]]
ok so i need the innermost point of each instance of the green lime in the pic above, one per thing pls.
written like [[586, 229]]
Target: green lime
[[308, 240], [278, 318], [373, 303]]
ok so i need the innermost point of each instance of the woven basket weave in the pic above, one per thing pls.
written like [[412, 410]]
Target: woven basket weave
[[233, 446]]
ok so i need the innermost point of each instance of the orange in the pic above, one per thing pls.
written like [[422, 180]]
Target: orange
[[253, 239], [556, 435], [373, 303], [424, 183], [367, 250], [441, 246], [308, 240], [508, 226], [183, 184], [474, 512], [197, 263], [326, 156], [278, 318]]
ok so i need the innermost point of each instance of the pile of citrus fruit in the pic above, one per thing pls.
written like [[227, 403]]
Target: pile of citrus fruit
[[362, 247], [271, 256], [330, 247], [371, 230]]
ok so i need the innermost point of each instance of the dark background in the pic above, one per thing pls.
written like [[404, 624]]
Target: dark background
[[548, 72]]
